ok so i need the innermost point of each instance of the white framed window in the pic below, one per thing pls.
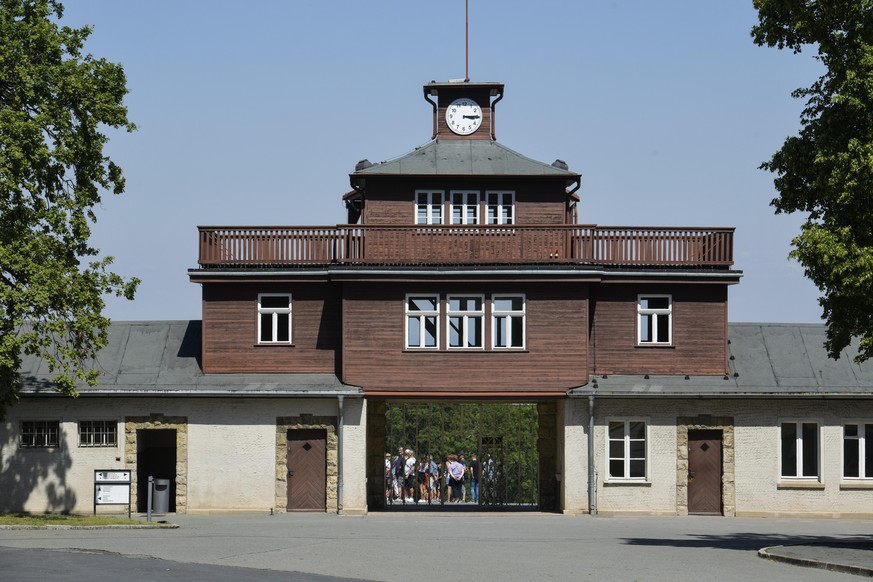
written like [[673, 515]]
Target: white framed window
[[40, 434], [508, 321], [274, 318], [501, 207], [626, 450], [422, 321], [654, 320], [799, 449], [466, 316], [464, 207], [857, 450], [98, 433], [429, 207]]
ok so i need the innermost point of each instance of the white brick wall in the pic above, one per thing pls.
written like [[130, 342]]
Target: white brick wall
[[759, 490], [231, 453]]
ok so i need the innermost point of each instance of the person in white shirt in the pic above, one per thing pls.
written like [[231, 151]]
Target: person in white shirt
[[409, 476]]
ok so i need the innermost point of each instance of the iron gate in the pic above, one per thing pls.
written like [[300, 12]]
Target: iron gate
[[496, 444]]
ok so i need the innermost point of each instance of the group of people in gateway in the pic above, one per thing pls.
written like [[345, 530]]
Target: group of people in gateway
[[427, 480]]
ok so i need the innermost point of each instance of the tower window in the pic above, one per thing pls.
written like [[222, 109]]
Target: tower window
[[429, 207]]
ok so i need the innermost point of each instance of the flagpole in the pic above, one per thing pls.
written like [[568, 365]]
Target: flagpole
[[467, 37]]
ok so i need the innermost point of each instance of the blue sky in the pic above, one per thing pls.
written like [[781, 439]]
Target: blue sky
[[255, 113]]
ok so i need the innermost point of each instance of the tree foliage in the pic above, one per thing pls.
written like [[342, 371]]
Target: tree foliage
[[827, 170], [506, 431], [54, 101]]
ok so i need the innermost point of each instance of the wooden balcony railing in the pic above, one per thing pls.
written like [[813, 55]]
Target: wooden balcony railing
[[228, 246]]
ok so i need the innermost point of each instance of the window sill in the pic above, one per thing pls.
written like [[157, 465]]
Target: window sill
[[866, 484], [800, 485], [656, 346], [464, 351], [275, 345], [625, 482]]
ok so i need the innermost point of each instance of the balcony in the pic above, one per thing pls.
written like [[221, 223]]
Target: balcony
[[619, 246]]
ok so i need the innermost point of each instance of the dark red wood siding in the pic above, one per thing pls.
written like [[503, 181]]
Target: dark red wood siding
[[540, 202], [480, 96], [374, 354], [699, 330], [230, 328]]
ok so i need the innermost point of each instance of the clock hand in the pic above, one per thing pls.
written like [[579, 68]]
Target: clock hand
[[472, 116]]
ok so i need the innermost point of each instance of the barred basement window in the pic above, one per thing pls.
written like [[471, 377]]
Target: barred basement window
[[98, 433], [40, 434]]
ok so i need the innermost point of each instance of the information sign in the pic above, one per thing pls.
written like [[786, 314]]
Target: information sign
[[112, 487]]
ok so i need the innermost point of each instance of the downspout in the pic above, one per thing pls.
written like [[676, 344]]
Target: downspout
[[434, 115], [339, 458], [493, 109], [592, 474]]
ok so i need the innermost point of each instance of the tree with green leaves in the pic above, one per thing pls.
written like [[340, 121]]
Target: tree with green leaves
[[827, 170], [55, 102]]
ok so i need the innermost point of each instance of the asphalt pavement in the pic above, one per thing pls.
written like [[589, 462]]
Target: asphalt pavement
[[423, 546]]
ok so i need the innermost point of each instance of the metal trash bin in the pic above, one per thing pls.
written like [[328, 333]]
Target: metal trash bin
[[161, 496]]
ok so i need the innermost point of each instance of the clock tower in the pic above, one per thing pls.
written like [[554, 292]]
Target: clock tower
[[463, 110]]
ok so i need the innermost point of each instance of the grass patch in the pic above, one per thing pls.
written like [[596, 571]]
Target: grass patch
[[57, 519]]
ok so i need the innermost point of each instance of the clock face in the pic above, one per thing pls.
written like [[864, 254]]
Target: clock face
[[463, 116]]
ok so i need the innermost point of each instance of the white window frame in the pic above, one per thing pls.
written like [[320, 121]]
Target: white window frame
[[865, 448], [799, 446], [468, 319], [275, 312], [98, 433], [422, 316], [433, 199], [495, 213], [652, 315], [510, 315], [469, 204], [625, 457], [42, 434]]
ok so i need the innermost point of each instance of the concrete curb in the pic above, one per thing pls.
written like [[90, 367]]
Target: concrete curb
[[116, 526], [771, 553]]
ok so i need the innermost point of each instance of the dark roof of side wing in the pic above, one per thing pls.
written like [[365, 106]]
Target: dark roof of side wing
[[163, 358]]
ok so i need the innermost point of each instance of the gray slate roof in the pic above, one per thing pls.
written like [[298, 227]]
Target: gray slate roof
[[473, 157], [163, 358], [768, 360]]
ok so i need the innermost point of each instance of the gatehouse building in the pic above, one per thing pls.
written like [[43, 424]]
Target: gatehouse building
[[462, 279]]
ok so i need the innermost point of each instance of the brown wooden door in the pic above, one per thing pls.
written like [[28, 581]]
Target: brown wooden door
[[307, 470], [704, 472]]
